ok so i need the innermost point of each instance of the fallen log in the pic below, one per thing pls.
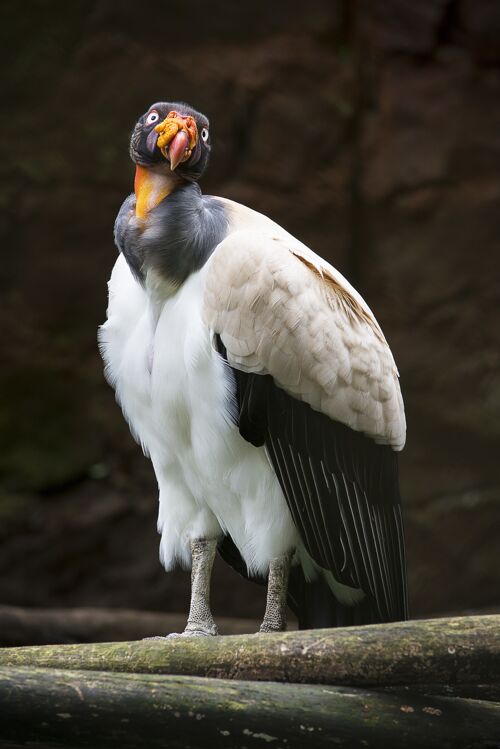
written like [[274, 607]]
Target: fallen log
[[463, 650], [23, 626], [483, 692], [80, 709]]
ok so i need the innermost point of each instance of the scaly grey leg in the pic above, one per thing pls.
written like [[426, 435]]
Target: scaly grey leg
[[277, 588], [200, 620]]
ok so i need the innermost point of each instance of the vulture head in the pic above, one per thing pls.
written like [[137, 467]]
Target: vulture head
[[172, 136]]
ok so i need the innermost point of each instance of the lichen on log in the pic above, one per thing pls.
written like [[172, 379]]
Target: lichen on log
[[50, 707], [462, 650]]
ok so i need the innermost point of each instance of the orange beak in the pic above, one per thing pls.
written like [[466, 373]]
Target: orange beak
[[178, 135]]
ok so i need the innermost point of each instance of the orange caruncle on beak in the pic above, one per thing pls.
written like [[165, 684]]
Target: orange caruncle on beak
[[179, 134]]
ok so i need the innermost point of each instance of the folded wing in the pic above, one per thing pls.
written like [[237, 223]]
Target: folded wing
[[317, 385]]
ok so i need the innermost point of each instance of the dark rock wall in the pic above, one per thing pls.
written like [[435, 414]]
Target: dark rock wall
[[372, 132]]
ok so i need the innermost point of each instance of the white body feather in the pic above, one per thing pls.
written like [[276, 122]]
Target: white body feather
[[176, 393]]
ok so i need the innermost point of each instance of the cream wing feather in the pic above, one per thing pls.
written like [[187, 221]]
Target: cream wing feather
[[280, 309]]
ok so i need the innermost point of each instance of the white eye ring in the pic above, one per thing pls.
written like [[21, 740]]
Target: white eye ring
[[152, 117], [204, 134]]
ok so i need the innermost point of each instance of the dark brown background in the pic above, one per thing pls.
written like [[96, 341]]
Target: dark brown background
[[372, 132]]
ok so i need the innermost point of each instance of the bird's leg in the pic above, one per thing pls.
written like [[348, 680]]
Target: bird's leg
[[277, 588], [200, 620]]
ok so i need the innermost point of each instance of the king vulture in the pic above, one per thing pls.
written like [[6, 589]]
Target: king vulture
[[261, 386]]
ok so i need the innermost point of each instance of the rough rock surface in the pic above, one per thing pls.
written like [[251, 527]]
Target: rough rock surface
[[372, 134]]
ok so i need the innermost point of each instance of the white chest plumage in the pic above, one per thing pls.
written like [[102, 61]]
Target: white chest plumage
[[177, 394]]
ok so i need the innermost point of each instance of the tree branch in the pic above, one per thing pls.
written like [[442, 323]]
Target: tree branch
[[462, 650], [82, 709]]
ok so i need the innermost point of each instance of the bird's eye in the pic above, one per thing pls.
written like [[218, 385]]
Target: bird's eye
[[152, 117], [204, 134]]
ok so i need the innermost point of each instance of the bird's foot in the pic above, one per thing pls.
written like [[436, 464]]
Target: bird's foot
[[267, 627], [204, 628], [200, 629], [194, 633], [175, 635]]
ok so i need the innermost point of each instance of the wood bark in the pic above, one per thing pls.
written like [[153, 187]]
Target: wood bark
[[463, 650], [20, 626], [485, 692], [50, 707]]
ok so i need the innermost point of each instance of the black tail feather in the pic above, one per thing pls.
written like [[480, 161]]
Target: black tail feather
[[315, 606]]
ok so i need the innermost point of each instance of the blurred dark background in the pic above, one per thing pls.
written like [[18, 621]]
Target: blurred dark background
[[401, 192]]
